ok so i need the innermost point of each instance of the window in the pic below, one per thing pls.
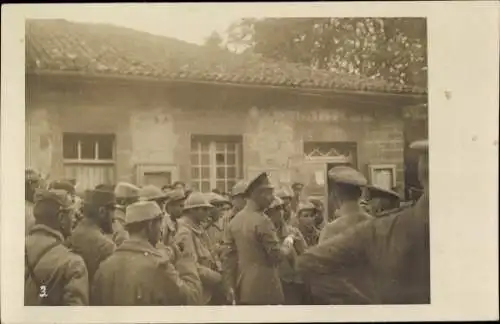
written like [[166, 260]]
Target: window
[[319, 156], [383, 175], [89, 158], [215, 162]]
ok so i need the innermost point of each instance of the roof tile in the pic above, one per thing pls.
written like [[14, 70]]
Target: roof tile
[[55, 45]]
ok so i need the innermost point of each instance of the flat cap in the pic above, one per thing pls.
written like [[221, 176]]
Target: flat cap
[[347, 175], [142, 211], [151, 192], [422, 145], [124, 190], [277, 202], [377, 191], [197, 200], [175, 195], [261, 180], [99, 198], [58, 196], [305, 205], [63, 185], [239, 188]]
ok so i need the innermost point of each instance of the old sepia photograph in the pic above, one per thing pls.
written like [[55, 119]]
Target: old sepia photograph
[[272, 163], [280, 161]]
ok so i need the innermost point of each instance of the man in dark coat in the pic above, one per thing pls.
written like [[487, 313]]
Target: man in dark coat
[[138, 274], [252, 252], [54, 275], [347, 188], [89, 236], [381, 261]]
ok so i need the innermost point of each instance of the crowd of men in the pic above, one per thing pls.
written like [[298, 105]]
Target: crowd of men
[[258, 245]]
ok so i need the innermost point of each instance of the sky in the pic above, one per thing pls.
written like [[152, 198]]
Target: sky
[[189, 22]]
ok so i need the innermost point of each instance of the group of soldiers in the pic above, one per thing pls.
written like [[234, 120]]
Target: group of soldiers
[[259, 245]]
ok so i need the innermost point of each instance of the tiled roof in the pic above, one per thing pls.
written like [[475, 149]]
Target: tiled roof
[[60, 45]]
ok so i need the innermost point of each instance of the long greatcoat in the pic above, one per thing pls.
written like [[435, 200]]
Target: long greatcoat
[[382, 261], [137, 274], [88, 241], [62, 272], [252, 255]]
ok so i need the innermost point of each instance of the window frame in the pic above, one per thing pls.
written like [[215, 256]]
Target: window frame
[[97, 160], [212, 151]]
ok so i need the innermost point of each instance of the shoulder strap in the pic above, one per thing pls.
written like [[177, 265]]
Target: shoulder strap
[[31, 267]]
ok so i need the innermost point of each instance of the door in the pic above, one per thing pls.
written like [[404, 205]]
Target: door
[[158, 179]]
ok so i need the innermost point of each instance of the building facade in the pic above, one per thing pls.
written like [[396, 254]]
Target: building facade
[[104, 128]]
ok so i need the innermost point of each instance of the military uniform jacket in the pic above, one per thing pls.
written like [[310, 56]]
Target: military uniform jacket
[[88, 241], [384, 260], [349, 214], [287, 267], [138, 274], [59, 274], [196, 241], [252, 258]]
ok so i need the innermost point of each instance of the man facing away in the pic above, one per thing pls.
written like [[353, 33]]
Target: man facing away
[[252, 252], [347, 184], [54, 276], [126, 194], [138, 274], [89, 236], [384, 260]]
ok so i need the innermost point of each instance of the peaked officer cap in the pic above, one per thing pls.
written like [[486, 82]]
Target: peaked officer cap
[[99, 198], [239, 188], [422, 145], [259, 181], [347, 175], [124, 190], [277, 202], [197, 200], [151, 192], [58, 196], [142, 211]]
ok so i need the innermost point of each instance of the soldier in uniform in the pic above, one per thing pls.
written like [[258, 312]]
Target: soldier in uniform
[[285, 193], [154, 194], [238, 200], [382, 201], [253, 253], [126, 194], [306, 216], [319, 217], [214, 226], [297, 188], [192, 236], [70, 190], [293, 288], [31, 183], [54, 276], [89, 237], [137, 274], [381, 261], [173, 211], [347, 188]]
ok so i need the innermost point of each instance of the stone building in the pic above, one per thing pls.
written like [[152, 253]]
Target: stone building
[[107, 104]]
